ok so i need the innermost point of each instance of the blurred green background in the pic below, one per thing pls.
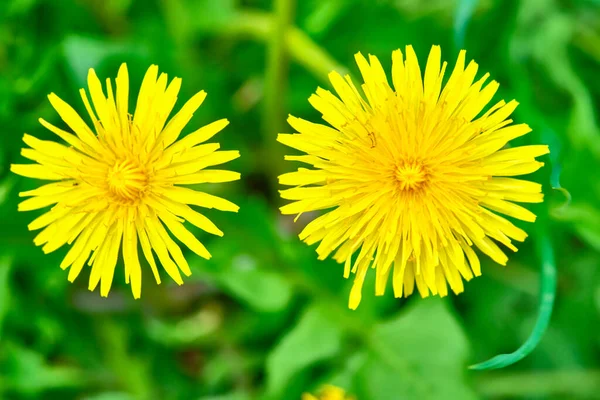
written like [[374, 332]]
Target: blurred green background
[[263, 319]]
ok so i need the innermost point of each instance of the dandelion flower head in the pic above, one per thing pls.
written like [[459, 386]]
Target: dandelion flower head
[[124, 180], [328, 392], [414, 175]]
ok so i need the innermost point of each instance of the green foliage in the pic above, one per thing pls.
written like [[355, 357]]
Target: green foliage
[[315, 338], [264, 319], [420, 354]]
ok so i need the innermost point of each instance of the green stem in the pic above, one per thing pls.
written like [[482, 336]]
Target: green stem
[[284, 40], [312, 57], [547, 296], [355, 326], [301, 48], [275, 88], [277, 69]]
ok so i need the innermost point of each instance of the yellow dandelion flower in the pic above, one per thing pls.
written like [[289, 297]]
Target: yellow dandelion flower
[[125, 180], [328, 392], [413, 177]]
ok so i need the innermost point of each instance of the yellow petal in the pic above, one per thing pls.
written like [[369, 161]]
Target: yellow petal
[[188, 196], [74, 121], [206, 176], [185, 236], [180, 120], [36, 171]]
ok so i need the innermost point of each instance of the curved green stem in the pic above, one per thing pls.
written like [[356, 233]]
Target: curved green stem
[[547, 296]]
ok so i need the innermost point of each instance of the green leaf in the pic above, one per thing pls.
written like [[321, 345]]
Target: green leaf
[[184, 18], [230, 396], [420, 354], [27, 371], [324, 14], [260, 289], [245, 265], [6, 187], [551, 48], [184, 331], [586, 219], [462, 16], [132, 373], [20, 7], [83, 53], [110, 396], [211, 12], [315, 338], [346, 375]]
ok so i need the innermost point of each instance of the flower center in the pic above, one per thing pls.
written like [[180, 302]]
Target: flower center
[[410, 175], [127, 180]]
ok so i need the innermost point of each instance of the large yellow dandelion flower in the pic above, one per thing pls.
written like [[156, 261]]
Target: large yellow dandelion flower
[[413, 177], [328, 392], [123, 181]]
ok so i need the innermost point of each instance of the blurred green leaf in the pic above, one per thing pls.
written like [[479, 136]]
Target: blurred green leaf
[[586, 219], [83, 53], [131, 372], [462, 16], [252, 277], [16, 7], [549, 45], [420, 354], [345, 377], [260, 289], [314, 338], [231, 396], [193, 329], [205, 13], [186, 18], [325, 14], [575, 384], [28, 372], [419, 8], [110, 396], [6, 187]]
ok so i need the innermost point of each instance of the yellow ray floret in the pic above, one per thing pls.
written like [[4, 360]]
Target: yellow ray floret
[[328, 392], [413, 175], [117, 181]]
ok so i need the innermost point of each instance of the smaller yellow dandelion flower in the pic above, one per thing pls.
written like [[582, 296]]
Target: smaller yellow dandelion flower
[[328, 392], [413, 177], [124, 180]]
